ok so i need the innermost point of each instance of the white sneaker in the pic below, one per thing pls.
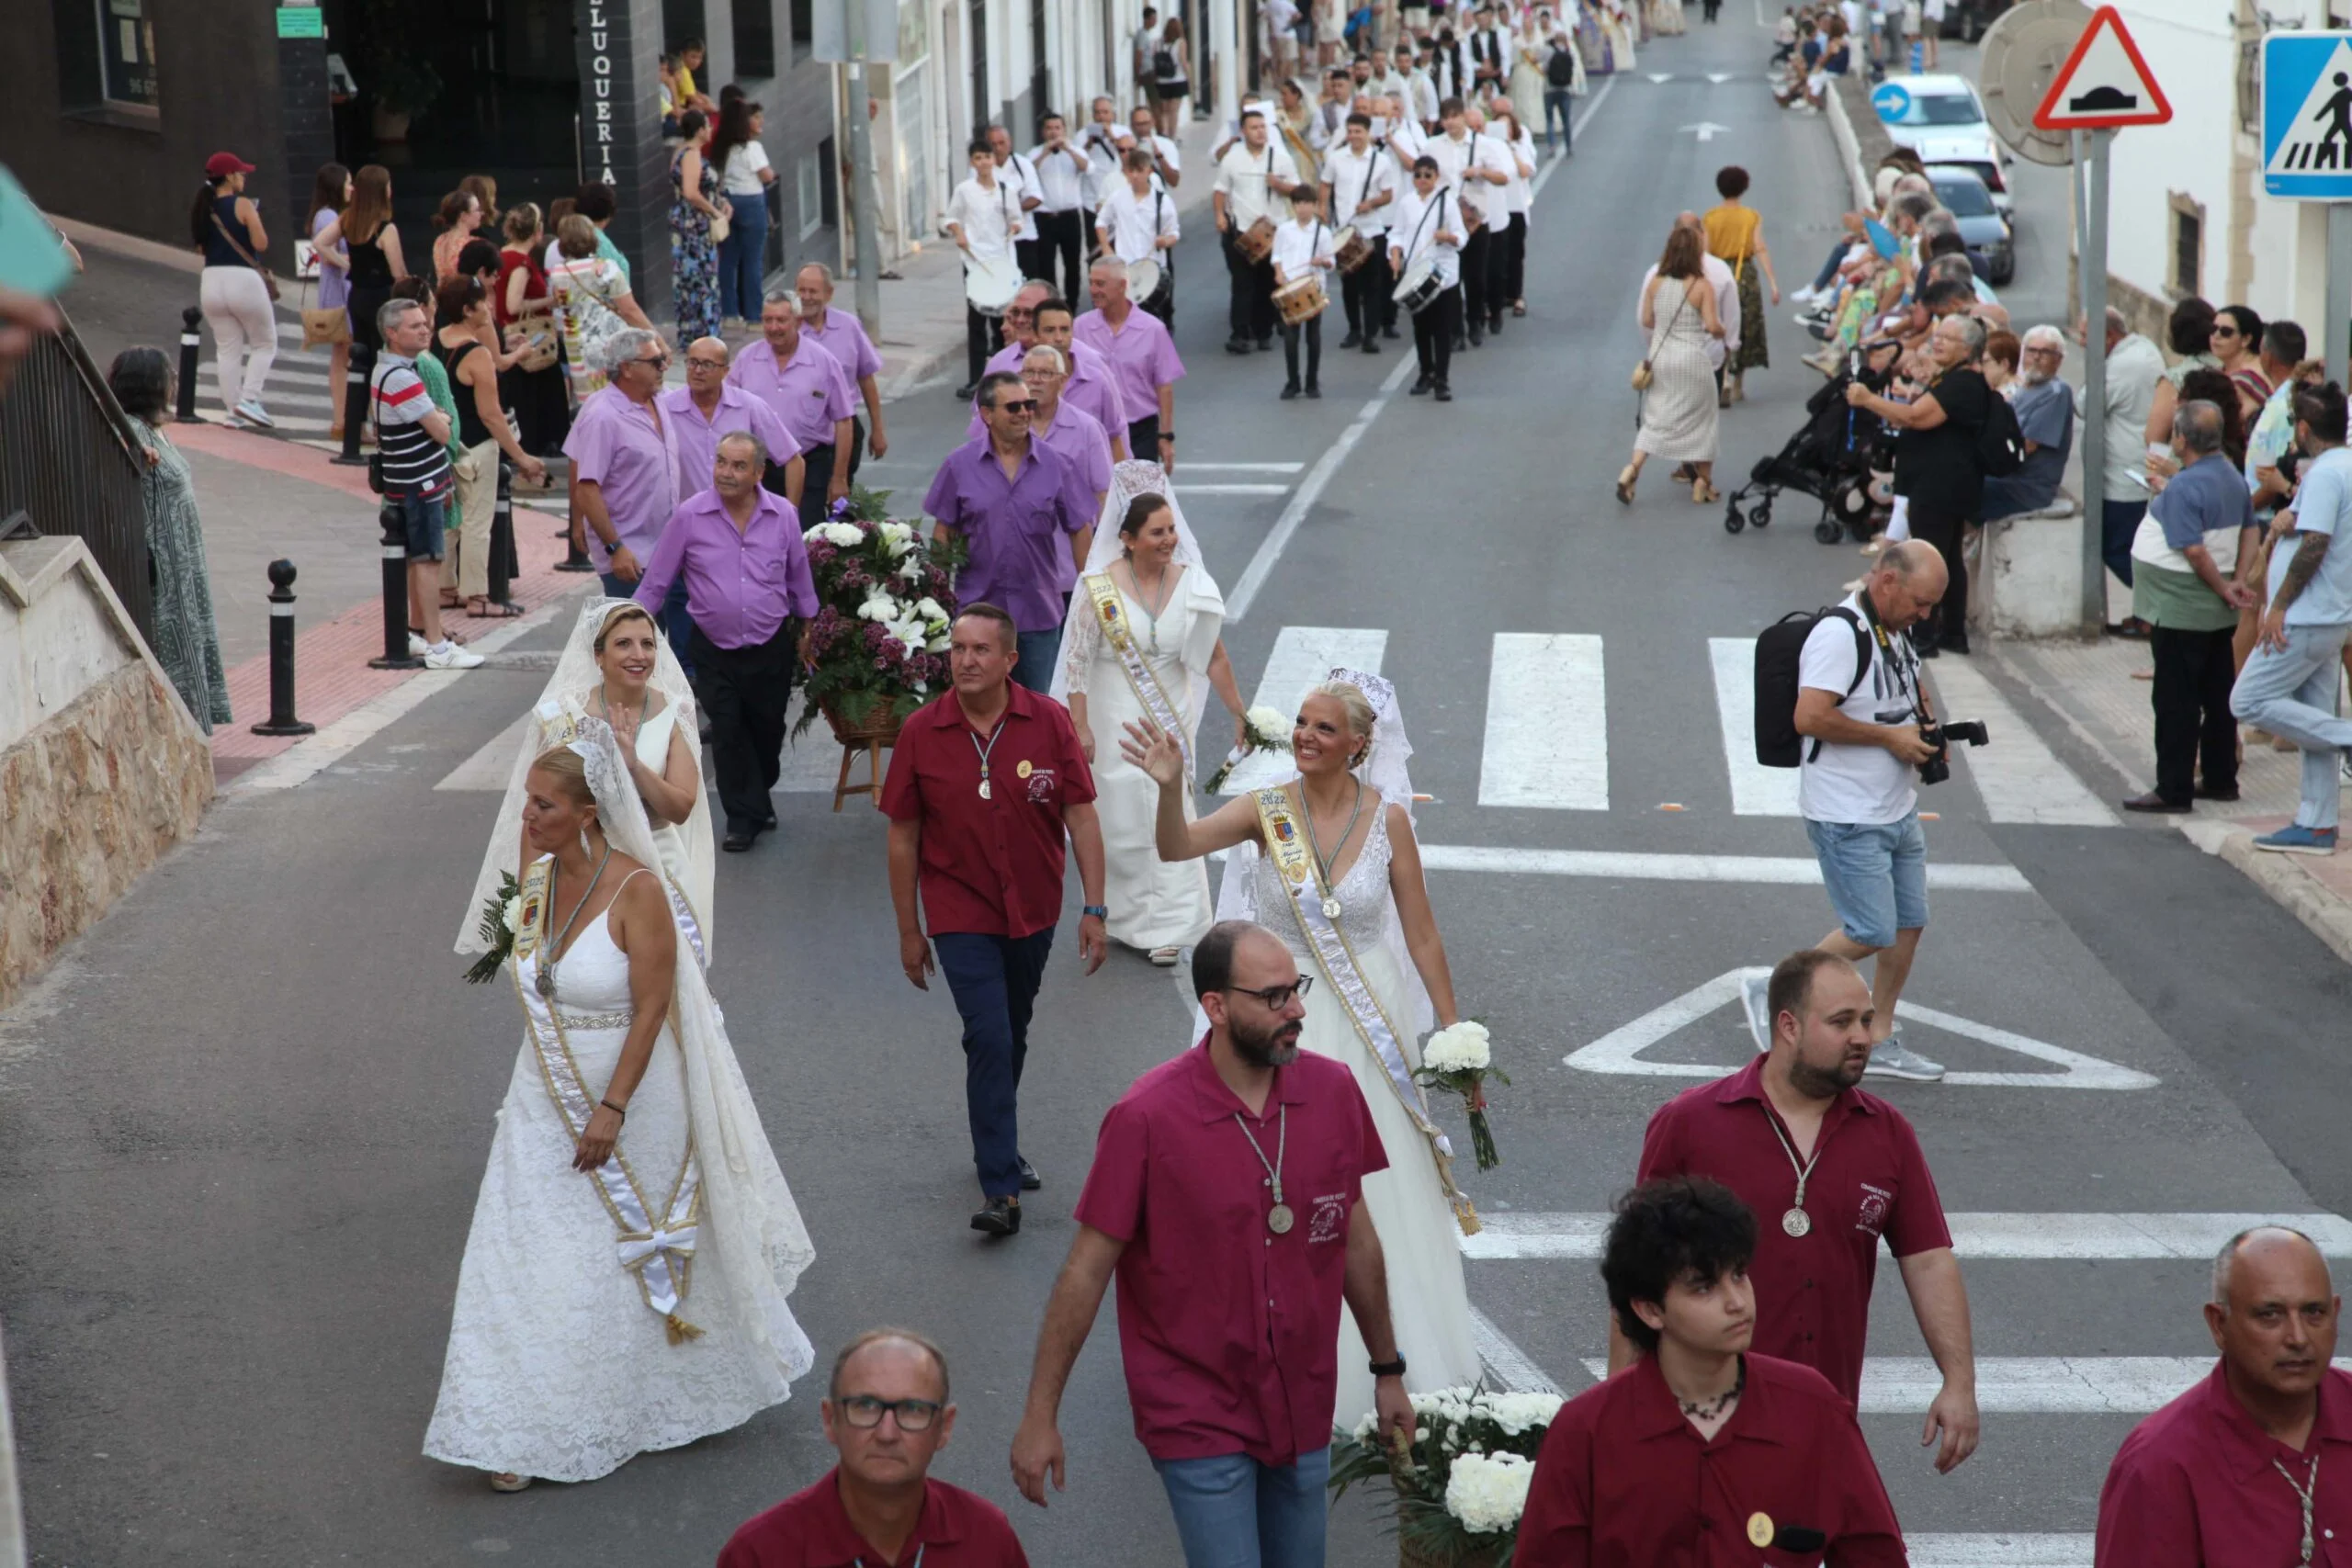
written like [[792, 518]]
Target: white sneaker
[[449, 655], [1893, 1059], [1755, 1001], [1805, 296], [252, 412], [416, 645]]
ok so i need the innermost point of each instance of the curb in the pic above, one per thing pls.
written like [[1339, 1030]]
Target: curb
[[2282, 879]]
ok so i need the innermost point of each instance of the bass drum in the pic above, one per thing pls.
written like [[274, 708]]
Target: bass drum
[[1149, 284], [990, 282], [1421, 286]]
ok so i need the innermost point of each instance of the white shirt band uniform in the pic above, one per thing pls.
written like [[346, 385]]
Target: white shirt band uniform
[[988, 219], [1355, 178], [1134, 221], [1244, 176], [1061, 178], [1021, 174], [1415, 228], [1300, 248]]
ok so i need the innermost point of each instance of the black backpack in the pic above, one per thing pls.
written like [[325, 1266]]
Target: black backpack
[[1561, 69], [2000, 444], [1779, 647]]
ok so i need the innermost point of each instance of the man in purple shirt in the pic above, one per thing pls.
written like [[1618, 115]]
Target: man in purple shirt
[[707, 408], [1038, 315], [1143, 361], [842, 335], [810, 391], [737, 550], [625, 469], [1014, 500]]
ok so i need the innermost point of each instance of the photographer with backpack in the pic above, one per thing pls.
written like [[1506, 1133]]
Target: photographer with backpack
[[1560, 74], [1952, 434]]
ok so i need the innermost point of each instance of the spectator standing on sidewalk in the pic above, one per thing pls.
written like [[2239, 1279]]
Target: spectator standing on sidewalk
[[412, 437], [330, 194], [842, 335], [2189, 567], [2135, 366], [2044, 405], [744, 177], [542, 412], [366, 235], [625, 471], [810, 392], [453, 224], [2288, 687], [1936, 466], [592, 302], [234, 290], [186, 638], [482, 436]]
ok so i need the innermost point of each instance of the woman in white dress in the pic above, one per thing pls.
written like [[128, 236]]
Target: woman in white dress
[[1353, 911], [624, 1278], [617, 668], [1142, 642]]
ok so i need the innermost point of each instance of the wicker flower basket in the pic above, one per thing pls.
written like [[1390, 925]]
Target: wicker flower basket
[[871, 739], [1406, 1557]]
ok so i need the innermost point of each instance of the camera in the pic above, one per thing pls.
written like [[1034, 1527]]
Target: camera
[[1938, 768]]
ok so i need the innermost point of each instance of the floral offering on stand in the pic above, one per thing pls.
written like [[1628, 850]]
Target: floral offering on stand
[[877, 645], [1460, 1484]]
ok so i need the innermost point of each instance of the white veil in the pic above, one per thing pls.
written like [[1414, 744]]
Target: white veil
[[1080, 629], [752, 1231], [1385, 772], [565, 695]]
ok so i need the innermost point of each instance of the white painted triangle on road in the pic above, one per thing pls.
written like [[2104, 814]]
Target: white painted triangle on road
[[1661, 75], [1620, 1050]]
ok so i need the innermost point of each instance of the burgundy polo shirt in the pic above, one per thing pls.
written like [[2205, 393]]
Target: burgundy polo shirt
[[1230, 1332], [1624, 1479], [1813, 1293], [2194, 1486], [811, 1530], [992, 867]]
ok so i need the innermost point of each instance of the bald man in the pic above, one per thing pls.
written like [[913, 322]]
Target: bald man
[[2252, 1466]]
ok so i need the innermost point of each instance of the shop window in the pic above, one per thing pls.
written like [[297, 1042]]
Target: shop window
[[106, 56], [808, 193], [2187, 248], [754, 42], [804, 29]]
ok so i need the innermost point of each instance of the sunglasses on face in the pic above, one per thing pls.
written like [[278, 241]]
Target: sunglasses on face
[[1016, 405], [2225, 332]]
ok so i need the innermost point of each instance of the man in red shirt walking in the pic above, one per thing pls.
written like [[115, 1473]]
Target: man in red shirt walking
[[889, 1415], [984, 782], [1226, 1178], [1703, 1452], [2252, 1466], [1831, 1170]]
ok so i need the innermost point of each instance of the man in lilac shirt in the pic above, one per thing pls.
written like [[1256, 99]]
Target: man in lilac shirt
[[1091, 386], [810, 391], [842, 335], [1143, 361], [625, 469], [707, 408], [1028, 518], [737, 549]]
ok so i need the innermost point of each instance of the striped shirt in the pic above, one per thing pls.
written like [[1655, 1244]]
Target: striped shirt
[[413, 463]]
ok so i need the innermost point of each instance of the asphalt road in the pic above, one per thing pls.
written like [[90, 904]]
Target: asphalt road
[[243, 1123]]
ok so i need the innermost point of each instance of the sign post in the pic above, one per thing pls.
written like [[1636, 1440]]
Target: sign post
[[2307, 156], [2103, 84]]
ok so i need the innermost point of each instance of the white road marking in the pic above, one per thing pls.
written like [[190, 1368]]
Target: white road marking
[[488, 768], [1237, 489], [1657, 76], [2050, 1550], [1506, 1363], [1620, 1050], [1246, 467], [1524, 1237], [2030, 1385], [1719, 77], [1707, 130], [1302, 656], [2020, 779], [1620, 865], [1575, 128], [1755, 790], [1547, 723], [1309, 492]]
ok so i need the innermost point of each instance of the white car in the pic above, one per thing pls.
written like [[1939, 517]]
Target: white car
[[1944, 123]]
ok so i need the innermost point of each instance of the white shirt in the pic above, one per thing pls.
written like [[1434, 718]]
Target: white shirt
[[1492, 200], [1242, 175], [1103, 144], [1281, 15], [1392, 85], [1493, 39], [1725, 283], [1133, 222], [1353, 177], [988, 219], [1163, 150], [1061, 178], [1407, 141], [1021, 175], [1422, 99], [1452, 156], [741, 177], [1520, 195], [1329, 126], [2133, 367], [1414, 232], [1857, 784], [1299, 249]]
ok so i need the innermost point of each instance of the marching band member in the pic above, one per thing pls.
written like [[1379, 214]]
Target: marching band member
[[1021, 174], [1062, 167], [1360, 182], [1487, 170], [1251, 177], [983, 217], [1137, 221], [1428, 225], [1167, 158], [1104, 142], [1303, 250]]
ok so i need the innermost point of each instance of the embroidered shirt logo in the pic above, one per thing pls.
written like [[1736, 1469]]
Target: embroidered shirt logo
[[1872, 1217], [1041, 787], [1329, 1221]]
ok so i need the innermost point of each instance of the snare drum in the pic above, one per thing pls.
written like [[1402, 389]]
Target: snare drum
[[1421, 286], [990, 282], [1144, 276], [1354, 249], [1302, 302], [1257, 241]]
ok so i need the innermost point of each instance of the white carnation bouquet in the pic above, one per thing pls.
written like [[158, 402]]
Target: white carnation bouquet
[[500, 916], [1262, 729], [1460, 1058], [1461, 1482]]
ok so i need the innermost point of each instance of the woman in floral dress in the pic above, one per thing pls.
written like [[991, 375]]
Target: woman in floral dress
[[186, 641], [695, 202]]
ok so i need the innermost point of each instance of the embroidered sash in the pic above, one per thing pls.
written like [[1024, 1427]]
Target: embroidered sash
[[1303, 880], [1112, 613], [659, 1252], [559, 726]]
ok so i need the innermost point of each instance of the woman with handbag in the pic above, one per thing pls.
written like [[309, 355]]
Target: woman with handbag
[[1675, 380], [592, 300], [1736, 238], [698, 223], [371, 247], [533, 387], [329, 322], [744, 177], [237, 292]]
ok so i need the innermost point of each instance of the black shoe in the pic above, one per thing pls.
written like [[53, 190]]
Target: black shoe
[[1421, 386], [998, 1216], [1370, 346], [1495, 326], [1477, 338], [1236, 346], [1461, 343], [963, 393], [1313, 391], [767, 823], [2229, 794], [738, 840], [1927, 651], [1954, 645], [1389, 331], [1030, 1181], [2153, 802], [1444, 393], [1354, 340], [1265, 346], [1290, 390]]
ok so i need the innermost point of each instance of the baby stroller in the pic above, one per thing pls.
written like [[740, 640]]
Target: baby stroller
[[1830, 458]]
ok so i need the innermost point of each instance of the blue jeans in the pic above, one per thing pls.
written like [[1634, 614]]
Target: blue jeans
[[994, 980], [2292, 695], [1877, 876], [676, 624], [1232, 1512], [1038, 651], [2119, 521], [742, 258], [1557, 101]]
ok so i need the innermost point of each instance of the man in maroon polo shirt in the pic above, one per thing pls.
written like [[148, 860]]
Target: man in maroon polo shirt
[[984, 784], [889, 1415], [1703, 1452], [1226, 1178], [2252, 1466], [1830, 1170]]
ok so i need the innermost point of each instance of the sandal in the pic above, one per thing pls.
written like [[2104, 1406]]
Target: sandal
[[1701, 492], [492, 610], [1166, 957], [1519, 307], [1626, 484], [507, 1481]]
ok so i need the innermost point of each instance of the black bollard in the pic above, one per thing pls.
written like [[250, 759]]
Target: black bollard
[[281, 655], [191, 341], [503, 562], [354, 402], [396, 654]]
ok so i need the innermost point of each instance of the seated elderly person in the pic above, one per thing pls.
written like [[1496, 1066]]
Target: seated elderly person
[[2001, 350], [2045, 410]]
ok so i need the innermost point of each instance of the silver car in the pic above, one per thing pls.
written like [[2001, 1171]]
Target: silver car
[[1944, 123]]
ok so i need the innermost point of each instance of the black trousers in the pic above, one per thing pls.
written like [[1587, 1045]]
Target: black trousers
[[2191, 698], [1312, 332], [1364, 294], [1251, 310], [983, 335], [1514, 263], [1063, 235], [1941, 525], [1143, 438], [856, 444], [1474, 277], [1034, 257], [815, 477], [744, 693], [1434, 332]]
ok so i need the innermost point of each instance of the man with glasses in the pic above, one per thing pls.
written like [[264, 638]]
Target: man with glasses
[[625, 471], [1091, 386], [707, 408], [1226, 1177], [888, 1415], [2044, 405], [810, 392]]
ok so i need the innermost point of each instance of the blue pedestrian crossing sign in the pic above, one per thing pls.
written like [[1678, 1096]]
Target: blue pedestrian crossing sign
[[2307, 115], [1892, 101]]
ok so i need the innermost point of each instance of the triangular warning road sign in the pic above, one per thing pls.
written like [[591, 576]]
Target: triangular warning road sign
[[2104, 83], [2321, 138]]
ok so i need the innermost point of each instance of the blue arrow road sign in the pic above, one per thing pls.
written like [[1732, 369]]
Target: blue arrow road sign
[[2307, 115], [1892, 100]]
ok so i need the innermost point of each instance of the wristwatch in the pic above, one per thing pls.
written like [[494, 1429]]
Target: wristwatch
[[1395, 1369], [1100, 912]]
